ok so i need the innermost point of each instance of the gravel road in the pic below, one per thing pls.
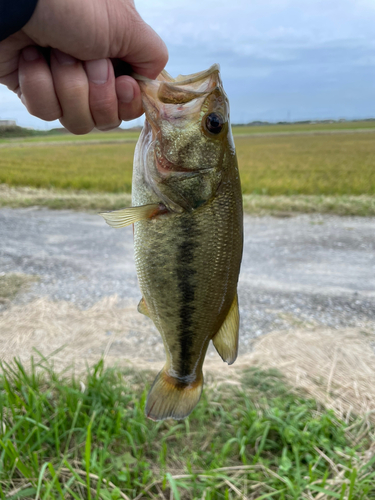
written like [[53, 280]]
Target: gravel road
[[298, 272]]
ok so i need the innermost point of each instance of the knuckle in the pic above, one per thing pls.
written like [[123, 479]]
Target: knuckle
[[130, 113], [106, 105], [45, 111]]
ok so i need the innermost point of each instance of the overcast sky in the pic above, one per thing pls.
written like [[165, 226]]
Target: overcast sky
[[280, 59]]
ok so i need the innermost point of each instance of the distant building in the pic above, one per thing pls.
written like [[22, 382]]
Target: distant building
[[7, 123]]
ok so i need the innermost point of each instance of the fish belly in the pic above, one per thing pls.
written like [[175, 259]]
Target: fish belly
[[188, 266]]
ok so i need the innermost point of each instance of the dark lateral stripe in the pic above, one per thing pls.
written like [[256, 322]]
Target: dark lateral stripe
[[186, 286]]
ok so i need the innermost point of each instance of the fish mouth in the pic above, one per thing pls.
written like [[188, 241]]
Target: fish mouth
[[158, 94], [166, 167], [187, 79]]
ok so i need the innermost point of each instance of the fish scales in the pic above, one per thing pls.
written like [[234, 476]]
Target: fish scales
[[188, 231], [186, 247]]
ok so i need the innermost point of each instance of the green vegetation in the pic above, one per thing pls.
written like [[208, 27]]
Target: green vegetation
[[12, 131], [93, 137], [103, 168], [341, 164], [304, 127], [72, 439], [61, 134], [12, 284], [15, 134], [329, 173]]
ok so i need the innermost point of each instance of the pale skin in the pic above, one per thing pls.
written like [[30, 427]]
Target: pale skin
[[79, 86]]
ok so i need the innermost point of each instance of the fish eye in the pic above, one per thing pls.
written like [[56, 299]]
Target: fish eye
[[214, 123]]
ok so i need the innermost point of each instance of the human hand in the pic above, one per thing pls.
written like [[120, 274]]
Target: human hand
[[79, 86]]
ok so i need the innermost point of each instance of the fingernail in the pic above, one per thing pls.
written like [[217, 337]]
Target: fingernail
[[97, 71], [30, 54], [22, 99], [63, 58], [125, 92]]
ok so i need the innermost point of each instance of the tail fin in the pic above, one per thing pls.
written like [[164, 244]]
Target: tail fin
[[171, 398]]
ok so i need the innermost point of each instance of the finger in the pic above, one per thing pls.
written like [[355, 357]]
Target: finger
[[72, 89], [146, 52], [11, 81], [102, 94], [129, 98], [36, 85]]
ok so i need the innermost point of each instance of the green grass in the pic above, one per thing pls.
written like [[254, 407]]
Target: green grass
[[304, 127], [102, 168], [93, 136], [13, 283], [18, 134], [88, 438], [341, 164]]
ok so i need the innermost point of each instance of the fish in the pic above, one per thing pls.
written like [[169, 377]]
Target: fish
[[188, 231]]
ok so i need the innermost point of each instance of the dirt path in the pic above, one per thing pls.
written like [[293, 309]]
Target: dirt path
[[300, 273], [308, 282]]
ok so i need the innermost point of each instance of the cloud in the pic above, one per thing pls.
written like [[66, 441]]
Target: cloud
[[305, 58]]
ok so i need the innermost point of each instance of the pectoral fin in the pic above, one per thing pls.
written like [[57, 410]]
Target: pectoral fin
[[127, 216], [142, 307], [226, 339]]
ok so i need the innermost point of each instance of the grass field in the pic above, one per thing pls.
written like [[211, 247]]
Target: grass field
[[237, 130], [93, 136], [340, 164], [285, 168], [88, 438]]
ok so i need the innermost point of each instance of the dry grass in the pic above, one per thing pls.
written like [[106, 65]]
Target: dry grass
[[336, 367], [109, 328], [16, 197], [363, 205]]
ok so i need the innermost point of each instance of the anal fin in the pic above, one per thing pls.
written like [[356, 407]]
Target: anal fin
[[226, 339], [127, 216], [142, 307]]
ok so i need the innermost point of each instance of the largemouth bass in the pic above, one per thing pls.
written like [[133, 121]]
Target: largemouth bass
[[188, 231]]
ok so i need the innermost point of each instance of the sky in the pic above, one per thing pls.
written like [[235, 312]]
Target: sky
[[281, 60]]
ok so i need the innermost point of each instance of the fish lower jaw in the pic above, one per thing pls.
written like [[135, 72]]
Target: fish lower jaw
[[166, 167]]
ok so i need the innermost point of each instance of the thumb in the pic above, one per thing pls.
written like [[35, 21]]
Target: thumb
[[146, 51]]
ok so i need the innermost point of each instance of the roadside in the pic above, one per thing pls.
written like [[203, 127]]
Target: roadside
[[256, 204], [68, 289], [299, 273]]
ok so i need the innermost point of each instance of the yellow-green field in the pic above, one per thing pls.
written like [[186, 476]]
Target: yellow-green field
[[131, 134], [327, 164], [94, 136]]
